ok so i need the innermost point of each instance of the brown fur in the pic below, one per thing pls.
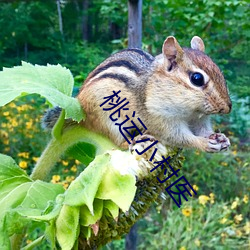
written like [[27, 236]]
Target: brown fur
[[159, 90]]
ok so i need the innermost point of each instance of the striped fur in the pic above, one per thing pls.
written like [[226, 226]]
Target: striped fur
[[159, 89]]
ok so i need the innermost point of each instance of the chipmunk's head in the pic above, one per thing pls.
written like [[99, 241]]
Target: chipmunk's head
[[193, 79]]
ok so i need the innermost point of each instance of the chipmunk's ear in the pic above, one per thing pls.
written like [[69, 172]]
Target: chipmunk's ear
[[197, 43], [171, 49]]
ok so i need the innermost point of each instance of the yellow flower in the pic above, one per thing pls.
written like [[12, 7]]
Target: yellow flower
[[203, 199], [247, 228], [238, 233], [223, 220], [65, 163], [238, 159], [211, 195], [24, 154], [6, 141], [35, 159], [238, 218], [234, 152], [182, 248], [55, 178], [6, 149], [245, 199], [197, 242], [23, 107], [29, 124], [12, 105], [73, 168], [234, 204], [70, 178], [4, 134], [223, 235], [224, 164], [187, 211], [14, 123], [77, 162], [195, 187], [6, 113], [65, 185], [23, 164]]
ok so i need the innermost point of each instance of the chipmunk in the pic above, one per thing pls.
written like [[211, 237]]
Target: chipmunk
[[174, 95]]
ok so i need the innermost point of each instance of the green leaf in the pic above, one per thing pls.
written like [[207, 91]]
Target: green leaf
[[86, 218], [50, 234], [58, 127], [14, 198], [6, 186], [118, 188], [20, 197], [86, 231], [53, 82], [112, 208], [14, 223], [46, 216], [34, 243], [39, 194], [83, 152], [67, 226], [83, 189], [26, 202], [4, 240], [9, 168]]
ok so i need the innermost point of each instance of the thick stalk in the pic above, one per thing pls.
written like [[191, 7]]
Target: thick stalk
[[57, 147]]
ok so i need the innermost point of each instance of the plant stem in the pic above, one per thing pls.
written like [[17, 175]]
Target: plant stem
[[57, 147]]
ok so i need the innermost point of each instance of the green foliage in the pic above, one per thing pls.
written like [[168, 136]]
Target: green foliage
[[95, 195], [199, 224], [52, 82], [223, 25], [24, 200], [30, 32], [20, 197]]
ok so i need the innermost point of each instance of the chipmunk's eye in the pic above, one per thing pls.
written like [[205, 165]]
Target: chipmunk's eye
[[197, 79]]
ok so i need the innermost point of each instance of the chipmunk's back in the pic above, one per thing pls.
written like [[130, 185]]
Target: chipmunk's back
[[126, 71], [125, 66]]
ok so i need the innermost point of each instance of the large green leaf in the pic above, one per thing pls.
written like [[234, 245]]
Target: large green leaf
[[6, 186], [118, 188], [21, 198], [39, 194], [67, 226], [9, 168], [83, 189], [53, 82], [102, 180], [83, 152], [86, 218]]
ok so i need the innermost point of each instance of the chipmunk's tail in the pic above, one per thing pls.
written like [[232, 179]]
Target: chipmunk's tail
[[50, 117]]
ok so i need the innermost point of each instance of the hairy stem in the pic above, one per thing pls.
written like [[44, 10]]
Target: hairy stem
[[57, 147]]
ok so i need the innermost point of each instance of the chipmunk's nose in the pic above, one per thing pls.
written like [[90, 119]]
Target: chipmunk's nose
[[226, 109]]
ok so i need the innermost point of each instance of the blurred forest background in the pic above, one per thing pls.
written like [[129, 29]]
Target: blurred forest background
[[79, 34]]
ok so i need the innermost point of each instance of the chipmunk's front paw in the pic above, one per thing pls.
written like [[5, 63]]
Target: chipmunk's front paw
[[217, 142], [141, 137]]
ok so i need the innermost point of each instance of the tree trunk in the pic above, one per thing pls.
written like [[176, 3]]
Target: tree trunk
[[85, 20], [59, 16], [135, 23]]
